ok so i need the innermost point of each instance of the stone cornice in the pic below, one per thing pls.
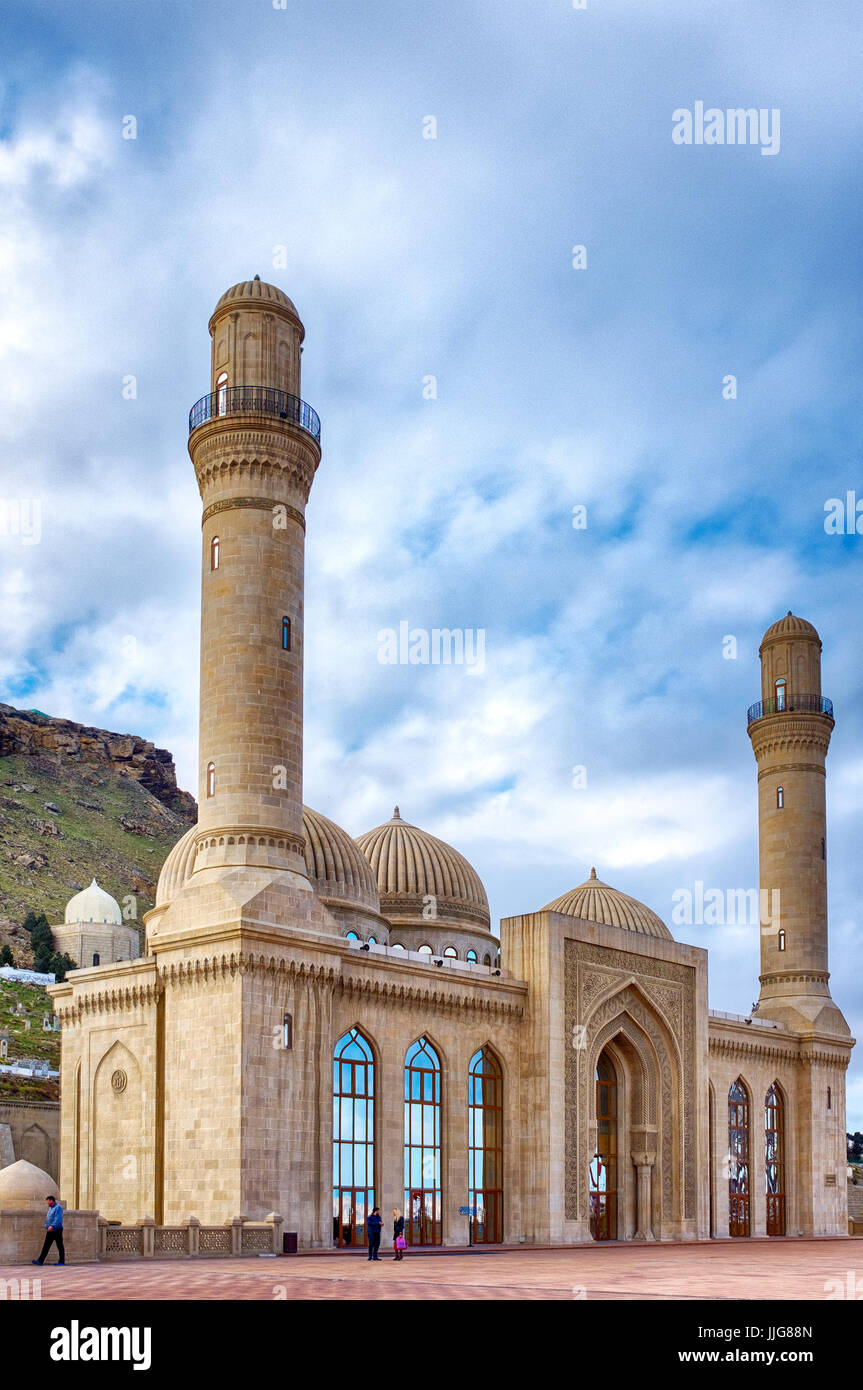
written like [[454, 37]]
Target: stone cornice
[[782, 732], [263, 504], [779, 1046], [392, 981], [772, 770]]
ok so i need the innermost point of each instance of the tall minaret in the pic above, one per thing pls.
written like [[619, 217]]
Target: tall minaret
[[255, 446], [790, 730]]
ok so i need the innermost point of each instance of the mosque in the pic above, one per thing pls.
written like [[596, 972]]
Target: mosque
[[320, 1024]]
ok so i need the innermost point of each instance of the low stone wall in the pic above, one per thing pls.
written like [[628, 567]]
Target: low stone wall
[[146, 1240], [22, 1234]]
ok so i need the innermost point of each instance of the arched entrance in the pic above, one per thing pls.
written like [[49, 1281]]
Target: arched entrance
[[603, 1164]]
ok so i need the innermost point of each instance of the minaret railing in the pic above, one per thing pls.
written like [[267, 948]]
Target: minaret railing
[[790, 704], [255, 400]]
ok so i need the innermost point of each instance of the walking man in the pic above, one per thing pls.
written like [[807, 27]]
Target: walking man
[[375, 1223], [53, 1232]]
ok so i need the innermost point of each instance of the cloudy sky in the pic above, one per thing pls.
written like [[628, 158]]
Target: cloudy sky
[[289, 142]]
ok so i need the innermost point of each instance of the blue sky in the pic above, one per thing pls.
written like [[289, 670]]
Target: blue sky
[[302, 128]]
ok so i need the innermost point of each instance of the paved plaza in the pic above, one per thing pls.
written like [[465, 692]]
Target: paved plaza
[[775, 1269]]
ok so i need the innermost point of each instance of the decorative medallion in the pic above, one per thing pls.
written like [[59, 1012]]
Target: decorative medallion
[[119, 1081]]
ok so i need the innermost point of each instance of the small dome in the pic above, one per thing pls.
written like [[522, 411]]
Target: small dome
[[411, 865], [176, 868], [93, 904], [257, 290], [333, 862], [791, 626], [24, 1187], [336, 864], [597, 902]]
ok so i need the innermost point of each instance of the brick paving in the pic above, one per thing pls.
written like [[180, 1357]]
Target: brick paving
[[799, 1269]]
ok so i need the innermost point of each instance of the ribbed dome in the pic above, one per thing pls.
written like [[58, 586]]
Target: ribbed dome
[[176, 868], [334, 861], [93, 904], [411, 865], [24, 1187], [597, 902], [258, 290], [791, 626]]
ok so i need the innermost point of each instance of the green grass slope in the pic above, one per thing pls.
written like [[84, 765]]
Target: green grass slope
[[102, 824]]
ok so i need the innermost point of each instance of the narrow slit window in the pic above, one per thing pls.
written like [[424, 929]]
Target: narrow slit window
[[782, 940], [780, 688], [214, 553], [211, 779], [823, 848], [780, 798], [222, 393], [829, 1099], [286, 634]]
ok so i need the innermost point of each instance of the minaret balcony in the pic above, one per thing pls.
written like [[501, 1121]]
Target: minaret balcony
[[790, 704], [255, 400]]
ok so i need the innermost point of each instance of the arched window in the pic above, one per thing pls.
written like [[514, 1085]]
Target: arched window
[[451, 952], [780, 798], [97, 960], [603, 1165], [353, 1138], [373, 941], [222, 393], [422, 1144], [351, 936], [486, 960], [471, 956], [823, 848], [774, 1160], [738, 1160], [485, 1148], [211, 779], [426, 951], [780, 688], [397, 946], [286, 634], [214, 553], [782, 939]]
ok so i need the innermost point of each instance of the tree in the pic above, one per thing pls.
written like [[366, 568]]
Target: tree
[[855, 1147], [58, 964], [30, 921], [6, 956], [41, 942]]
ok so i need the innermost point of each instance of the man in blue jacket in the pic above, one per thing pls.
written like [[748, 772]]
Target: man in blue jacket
[[53, 1232], [375, 1222]]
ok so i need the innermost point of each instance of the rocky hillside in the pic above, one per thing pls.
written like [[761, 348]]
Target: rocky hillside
[[77, 802]]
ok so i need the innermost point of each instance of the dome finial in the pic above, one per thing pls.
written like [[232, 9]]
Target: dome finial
[[396, 813], [592, 872], [257, 277], [789, 613]]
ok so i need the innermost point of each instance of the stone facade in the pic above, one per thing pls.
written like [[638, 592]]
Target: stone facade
[[582, 1064], [31, 1130]]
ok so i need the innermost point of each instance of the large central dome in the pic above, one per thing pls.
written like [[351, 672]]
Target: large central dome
[[413, 867], [595, 901]]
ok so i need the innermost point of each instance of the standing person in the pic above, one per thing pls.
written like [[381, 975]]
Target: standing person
[[53, 1231], [398, 1234], [375, 1222]]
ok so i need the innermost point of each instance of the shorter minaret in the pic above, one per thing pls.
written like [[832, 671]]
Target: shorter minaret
[[790, 729]]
